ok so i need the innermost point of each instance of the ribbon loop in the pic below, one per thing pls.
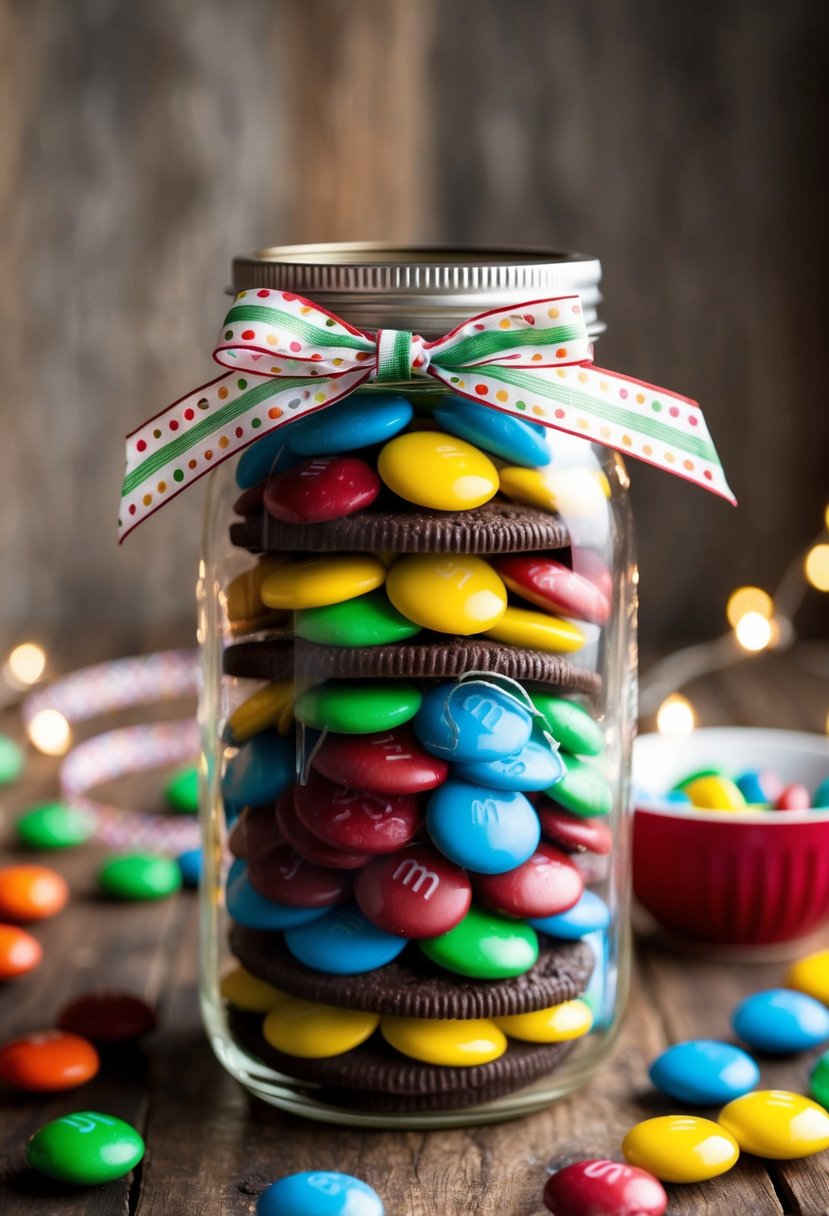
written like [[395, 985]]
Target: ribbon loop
[[394, 355]]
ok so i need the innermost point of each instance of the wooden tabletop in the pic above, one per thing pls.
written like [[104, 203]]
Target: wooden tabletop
[[211, 1148]]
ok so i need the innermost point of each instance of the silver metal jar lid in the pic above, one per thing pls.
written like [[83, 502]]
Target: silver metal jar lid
[[427, 289]]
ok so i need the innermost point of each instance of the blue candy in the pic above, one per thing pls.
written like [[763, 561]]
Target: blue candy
[[270, 454], [704, 1072], [472, 721], [781, 1020], [589, 915], [258, 773], [820, 799], [535, 767], [246, 906], [600, 993], [343, 942], [750, 785], [191, 863], [486, 830], [361, 420], [319, 1193], [511, 438]]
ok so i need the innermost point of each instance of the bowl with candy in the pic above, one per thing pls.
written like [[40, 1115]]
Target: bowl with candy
[[731, 835]]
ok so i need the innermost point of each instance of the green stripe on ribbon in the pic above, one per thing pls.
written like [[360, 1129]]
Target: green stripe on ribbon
[[287, 322], [493, 342], [395, 363]]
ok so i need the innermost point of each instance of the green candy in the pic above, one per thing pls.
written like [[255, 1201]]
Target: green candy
[[182, 791], [819, 1081], [140, 876], [11, 760], [368, 620], [53, 826], [697, 776], [570, 724], [582, 789], [484, 946], [351, 707], [86, 1148]]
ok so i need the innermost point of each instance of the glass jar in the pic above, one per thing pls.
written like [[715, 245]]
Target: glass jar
[[418, 622]]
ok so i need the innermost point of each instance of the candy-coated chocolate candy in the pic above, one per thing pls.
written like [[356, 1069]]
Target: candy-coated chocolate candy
[[250, 500], [313, 581], [268, 455], [343, 942], [604, 1188], [85, 1148], [484, 946], [243, 594], [456, 1042], [819, 1080], [569, 1020], [434, 470], [246, 906], [315, 1032], [182, 791], [535, 767], [697, 775], [811, 975], [570, 724], [760, 786], [536, 631], [284, 876], [681, 1148], [511, 438], [781, 1020], [546, 884], [600, 993], [140, 876], [255, 831], [19, 952], [258, 773], [326, 487], [53, 826], [528, 486], [108, 1017], [486, 830], [47, 1061], [363, 419], [369, 620], [472, 720], [191, 864], [704, 1072], [588, 915], [554, 587], [582, 790], [270, 706], [573, 493], [451, 594], [777, 1124], [573, 832], [29, 892], [794, 798], [391, 762], [310, 846], [355, 707], [319, 1193], [11, 760], [715, 794], [820, 798], [247, 992], [415, 892], [354, 820]]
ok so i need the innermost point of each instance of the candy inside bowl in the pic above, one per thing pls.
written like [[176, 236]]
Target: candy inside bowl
[[747, 882]]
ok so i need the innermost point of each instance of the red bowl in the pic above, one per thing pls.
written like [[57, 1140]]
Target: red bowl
[[740, 878]]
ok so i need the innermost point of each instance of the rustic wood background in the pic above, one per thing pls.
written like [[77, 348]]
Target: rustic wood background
[[141, 145]]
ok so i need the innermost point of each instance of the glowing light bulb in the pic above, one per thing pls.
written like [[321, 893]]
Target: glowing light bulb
[[676, 716], [25, 665], [753, 631], [826, 518], [817, 567], [50, 733], [748, 599]]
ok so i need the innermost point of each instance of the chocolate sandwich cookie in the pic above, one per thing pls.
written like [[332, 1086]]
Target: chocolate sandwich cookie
[[410, 986]]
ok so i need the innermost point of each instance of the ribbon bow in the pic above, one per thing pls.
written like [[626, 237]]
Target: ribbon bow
[[288, 357]]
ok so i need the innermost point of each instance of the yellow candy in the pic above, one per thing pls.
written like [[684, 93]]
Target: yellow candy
[[715, 794], [536, 631], [778, 1124], [569, 1020], [576, 493], [243, 598], [246, 992], [270, 706], [811, 975], [680, 1148], [437, 470], [314, 1032], [316, 581], [450, 594], [462, 1042]]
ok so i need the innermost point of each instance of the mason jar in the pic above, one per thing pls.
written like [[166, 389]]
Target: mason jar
[[418, 626]]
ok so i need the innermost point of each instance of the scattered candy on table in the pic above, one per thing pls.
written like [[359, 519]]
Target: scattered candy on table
[[319, 1193], [19, 952], [811, 975], [819, 1080], [182, 791], [781, 1020], [11, 760], [191, 863], [53, 826], [604, 1188], [86, 1148], [139, 876], [704, 1072], [31, 892], [47, 1061], [108, 1017], [681, 1148], [777, 1124]]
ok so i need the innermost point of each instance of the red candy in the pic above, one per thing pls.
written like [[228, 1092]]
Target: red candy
[[310, 846], [48, 1061], [416, 892], [19, 952], [546, 884], [551, 585], [285, 877], [255, 832], [604, 1188], [108, 1017], [325, 487], [354, 820], [391, 762], [31, 892], [571, 832], [794, 798]]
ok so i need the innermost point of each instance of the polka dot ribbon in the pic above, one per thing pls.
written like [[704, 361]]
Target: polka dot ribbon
[[288, 357]]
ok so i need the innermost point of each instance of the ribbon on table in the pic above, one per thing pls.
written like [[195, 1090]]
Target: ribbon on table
[[289, 357]]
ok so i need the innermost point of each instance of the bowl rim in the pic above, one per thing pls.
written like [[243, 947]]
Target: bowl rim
[[809, 740]]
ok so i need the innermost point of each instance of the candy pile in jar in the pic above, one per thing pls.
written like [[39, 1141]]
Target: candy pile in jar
[[413, 777]]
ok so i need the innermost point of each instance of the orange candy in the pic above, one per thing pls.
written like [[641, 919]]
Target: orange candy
[[48, 1061], [19, 952], [31, 892]]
